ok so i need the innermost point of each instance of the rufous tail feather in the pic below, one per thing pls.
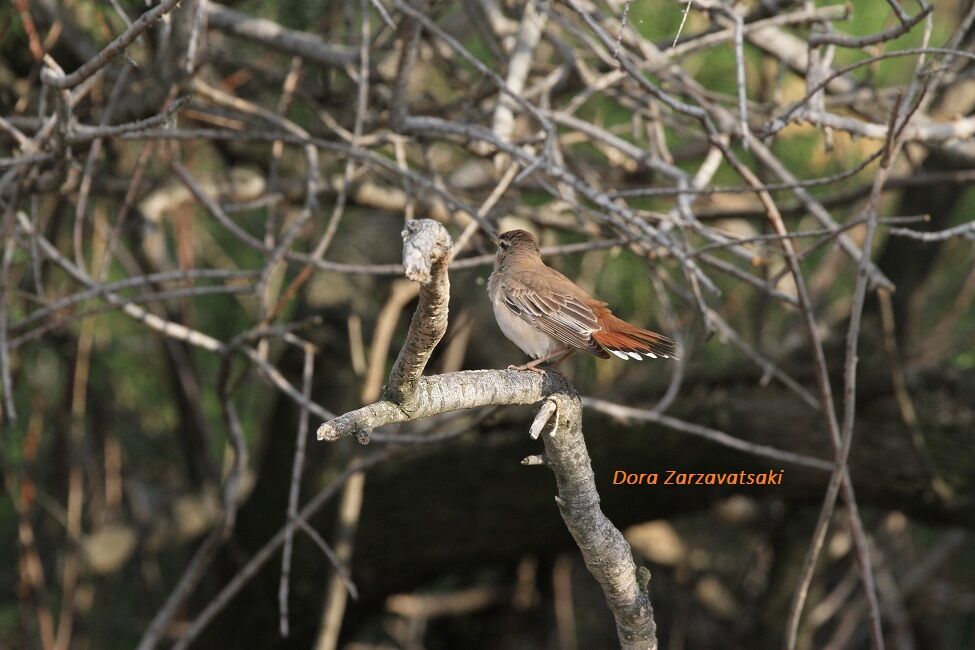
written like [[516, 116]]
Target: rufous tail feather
[[626, 341]]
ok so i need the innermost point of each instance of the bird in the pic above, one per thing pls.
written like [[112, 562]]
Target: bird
[[550, 317]]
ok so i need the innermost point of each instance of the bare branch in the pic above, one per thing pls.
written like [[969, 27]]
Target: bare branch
[[608, 557], [303, 44], [113, 49], [427, 249]]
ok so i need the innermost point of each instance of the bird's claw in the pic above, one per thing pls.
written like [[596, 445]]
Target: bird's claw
[[528, 367]]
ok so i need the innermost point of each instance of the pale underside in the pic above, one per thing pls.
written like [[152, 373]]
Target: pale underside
[[532, 342]]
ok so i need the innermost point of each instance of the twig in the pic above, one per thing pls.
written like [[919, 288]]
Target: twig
[[824, 38], [293, 491], [113, 49], [629, 413]]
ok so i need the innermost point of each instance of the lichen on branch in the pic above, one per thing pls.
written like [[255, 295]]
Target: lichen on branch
[[410, 396]]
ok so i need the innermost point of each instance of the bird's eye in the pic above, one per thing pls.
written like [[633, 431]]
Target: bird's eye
[[503, 243]]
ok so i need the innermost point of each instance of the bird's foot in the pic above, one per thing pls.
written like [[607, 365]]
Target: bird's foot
[[532, 367], [553, 360]]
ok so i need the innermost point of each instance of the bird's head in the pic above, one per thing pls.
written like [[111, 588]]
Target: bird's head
[[516, 241]]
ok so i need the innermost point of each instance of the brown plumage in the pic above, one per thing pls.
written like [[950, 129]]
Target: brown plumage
[[549, 317]]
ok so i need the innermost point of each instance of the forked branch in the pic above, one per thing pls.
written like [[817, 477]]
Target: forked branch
[[409, 396]]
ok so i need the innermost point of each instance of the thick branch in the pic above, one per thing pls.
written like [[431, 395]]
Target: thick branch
[[409, 396], [426, 256], [607, 554], [442, 394]]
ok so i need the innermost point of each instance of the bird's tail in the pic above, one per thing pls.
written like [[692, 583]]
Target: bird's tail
[[630, 342]]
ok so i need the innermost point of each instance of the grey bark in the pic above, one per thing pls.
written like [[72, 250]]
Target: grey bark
[[410, 397], [306, 45], [426, 256]]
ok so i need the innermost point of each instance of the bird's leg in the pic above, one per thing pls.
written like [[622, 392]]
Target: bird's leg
[[568, 353], [532, 366], [561, 355]]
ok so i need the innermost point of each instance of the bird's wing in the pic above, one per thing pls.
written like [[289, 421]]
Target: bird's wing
[[563, 316]]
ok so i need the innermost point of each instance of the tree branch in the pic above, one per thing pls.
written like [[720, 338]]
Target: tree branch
[[426, 255], [304, 44]]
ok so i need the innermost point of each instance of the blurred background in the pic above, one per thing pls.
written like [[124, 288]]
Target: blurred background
[[200, 264]]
